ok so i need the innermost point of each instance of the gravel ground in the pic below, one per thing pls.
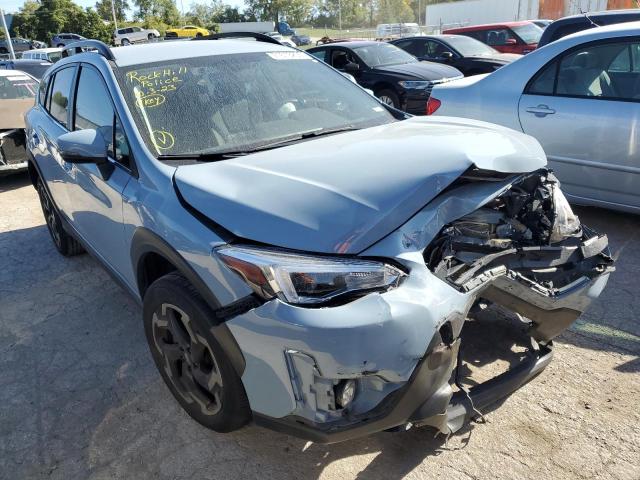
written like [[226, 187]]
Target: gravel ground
[[80, 397]]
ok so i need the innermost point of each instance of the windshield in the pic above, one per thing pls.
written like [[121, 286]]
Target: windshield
[[17, 86], [529, 33], [469, 47], [240, 102], [383, 54], [54, 56]]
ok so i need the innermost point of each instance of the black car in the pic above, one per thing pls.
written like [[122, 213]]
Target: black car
[[467, 54], [395, 77], [576, 23], [35, 68]]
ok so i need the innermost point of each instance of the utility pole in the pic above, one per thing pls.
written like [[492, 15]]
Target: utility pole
[[113, 11], [340, 16], [8, 37]]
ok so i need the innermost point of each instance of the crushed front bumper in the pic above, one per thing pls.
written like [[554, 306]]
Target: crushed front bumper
[[401, 347]]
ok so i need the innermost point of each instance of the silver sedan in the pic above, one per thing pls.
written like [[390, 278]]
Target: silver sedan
[[580, 98]]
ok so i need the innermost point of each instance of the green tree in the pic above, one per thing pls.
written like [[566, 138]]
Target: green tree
[[232, 14], [297, 11], [41, 20], [164, 11], [24, 22], [103, 8], [394, 11]]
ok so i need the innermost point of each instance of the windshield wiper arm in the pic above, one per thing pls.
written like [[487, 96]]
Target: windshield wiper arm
[[226, 154]]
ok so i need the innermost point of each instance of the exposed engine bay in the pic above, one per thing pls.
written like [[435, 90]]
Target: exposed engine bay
[[525, 247]]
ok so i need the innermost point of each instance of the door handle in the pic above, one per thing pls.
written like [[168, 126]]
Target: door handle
[[541, 111]]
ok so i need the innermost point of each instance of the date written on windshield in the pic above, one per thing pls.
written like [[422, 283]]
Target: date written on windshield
[[152, 86]]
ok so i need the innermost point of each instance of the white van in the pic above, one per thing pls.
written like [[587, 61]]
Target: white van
[[386, 31], [47, 54]]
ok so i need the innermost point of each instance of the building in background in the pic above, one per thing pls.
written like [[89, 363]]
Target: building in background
[[474, 12]]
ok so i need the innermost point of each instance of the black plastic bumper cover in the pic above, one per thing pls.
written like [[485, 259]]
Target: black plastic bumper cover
[[421, 400]]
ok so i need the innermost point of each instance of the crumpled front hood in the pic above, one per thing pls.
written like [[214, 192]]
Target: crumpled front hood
[[342, 193]]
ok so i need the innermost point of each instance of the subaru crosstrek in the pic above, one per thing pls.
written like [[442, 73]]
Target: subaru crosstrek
[[305, 255]]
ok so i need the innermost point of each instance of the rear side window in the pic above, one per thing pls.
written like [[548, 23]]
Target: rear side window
[[60, 93], [607, 71]]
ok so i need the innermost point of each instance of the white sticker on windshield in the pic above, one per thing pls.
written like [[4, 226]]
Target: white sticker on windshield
[[289, 55]]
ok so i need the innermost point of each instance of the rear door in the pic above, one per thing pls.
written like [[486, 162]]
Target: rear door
[[51, 120], [584, 107], [95, 191]]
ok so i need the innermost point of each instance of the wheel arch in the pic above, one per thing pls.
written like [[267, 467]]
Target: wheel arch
[[384, 85], [152, 257]]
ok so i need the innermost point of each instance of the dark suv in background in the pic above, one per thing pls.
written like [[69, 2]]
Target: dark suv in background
[[397, 78], [576, 23], [64, 39]]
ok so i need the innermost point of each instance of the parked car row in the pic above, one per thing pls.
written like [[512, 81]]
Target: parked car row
[[580, 98], [328, 299]]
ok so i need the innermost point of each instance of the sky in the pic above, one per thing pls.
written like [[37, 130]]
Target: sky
[[11, 6]]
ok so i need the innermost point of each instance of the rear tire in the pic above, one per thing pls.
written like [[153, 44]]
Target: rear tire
[[64, 243], [60, 45], [189, 358], [388, 97], [198, 35]]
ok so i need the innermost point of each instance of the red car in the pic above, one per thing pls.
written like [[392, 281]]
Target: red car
[[508, 37]]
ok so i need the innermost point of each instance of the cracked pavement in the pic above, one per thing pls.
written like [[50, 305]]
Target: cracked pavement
[[80, 397]]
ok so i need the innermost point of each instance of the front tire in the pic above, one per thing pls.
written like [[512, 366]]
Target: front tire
[[198, 35], [64, 243], [189, 358], [125, 42], [389, 97]]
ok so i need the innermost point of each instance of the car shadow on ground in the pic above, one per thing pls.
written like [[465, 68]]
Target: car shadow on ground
[[13, 181], [81, 396], [79, 389]]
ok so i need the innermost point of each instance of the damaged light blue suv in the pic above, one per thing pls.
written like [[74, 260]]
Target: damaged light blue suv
[[306, 257]]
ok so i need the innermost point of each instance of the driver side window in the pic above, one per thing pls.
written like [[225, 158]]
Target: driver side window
[[94, 110], [340, 59]]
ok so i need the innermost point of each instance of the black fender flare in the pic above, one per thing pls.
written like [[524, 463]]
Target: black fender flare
[[143, 242]]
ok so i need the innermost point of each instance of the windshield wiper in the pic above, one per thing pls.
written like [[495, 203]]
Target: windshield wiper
[[215, 156]]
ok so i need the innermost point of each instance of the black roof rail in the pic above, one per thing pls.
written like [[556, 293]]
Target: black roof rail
[[77, 47], [258, 37]]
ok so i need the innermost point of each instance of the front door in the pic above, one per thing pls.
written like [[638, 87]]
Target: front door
[[584, 108], [95, 191]]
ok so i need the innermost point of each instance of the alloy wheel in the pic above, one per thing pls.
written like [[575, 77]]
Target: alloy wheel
[[386, 100], [188, 359]]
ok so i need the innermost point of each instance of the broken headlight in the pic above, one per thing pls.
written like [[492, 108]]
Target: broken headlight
[[307, 279], [565, 223]]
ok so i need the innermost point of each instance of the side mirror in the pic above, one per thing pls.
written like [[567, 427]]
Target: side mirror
[[351, 67], [446, 55], [83, 146]]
